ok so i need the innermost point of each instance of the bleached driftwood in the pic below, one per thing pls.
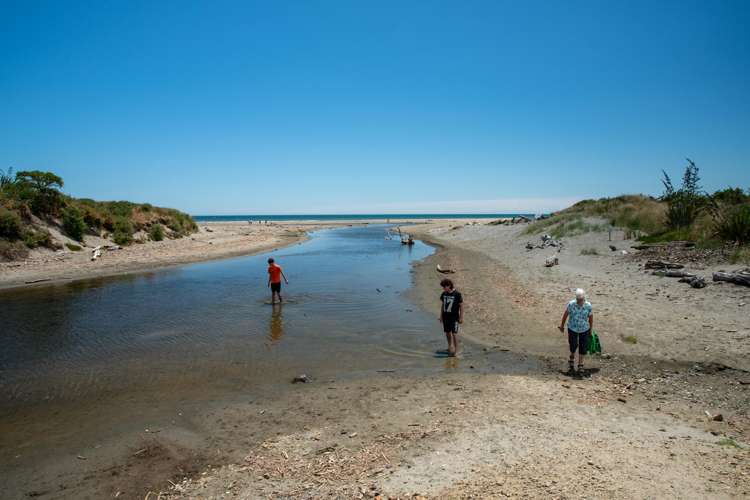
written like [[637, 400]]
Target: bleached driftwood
[[551, 261], [444, 271], [96, 252]]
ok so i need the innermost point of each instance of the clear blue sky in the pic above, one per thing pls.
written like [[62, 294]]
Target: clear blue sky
[[351, 106]]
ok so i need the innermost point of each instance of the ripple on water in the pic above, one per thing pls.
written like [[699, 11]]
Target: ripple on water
[[207, 323]]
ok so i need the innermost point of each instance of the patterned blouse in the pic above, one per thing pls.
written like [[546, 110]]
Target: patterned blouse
[[578, 316]]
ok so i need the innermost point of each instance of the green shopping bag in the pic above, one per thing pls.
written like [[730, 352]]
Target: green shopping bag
[[595, 346]]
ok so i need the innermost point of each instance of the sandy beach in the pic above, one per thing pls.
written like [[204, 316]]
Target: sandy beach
[[665, 417]]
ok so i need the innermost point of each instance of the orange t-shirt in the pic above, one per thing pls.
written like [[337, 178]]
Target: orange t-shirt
[[275, 272]]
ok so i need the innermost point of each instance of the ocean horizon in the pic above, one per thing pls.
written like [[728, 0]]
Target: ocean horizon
[[329, 217]]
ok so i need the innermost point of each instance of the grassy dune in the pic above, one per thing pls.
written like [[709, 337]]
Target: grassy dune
[[687, 213], [32, 207]]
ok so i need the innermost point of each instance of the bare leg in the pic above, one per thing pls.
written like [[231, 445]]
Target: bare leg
[[448, 339], [452, 344]]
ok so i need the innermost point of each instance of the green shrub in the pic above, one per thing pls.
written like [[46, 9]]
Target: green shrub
[[631, 339], [10, 225], [182, 224], [73, 223], [123, 232], [74, 248], [156, 232], [684, 204], [119, 208], [41, 190], [674, 235], [13, 250], [731, 196], [733, 224], [741, 256], [34, 238]]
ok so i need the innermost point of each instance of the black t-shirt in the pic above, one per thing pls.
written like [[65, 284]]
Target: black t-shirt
[[451, 302]]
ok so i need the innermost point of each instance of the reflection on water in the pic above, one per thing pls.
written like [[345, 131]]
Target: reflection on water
[[276, 327]]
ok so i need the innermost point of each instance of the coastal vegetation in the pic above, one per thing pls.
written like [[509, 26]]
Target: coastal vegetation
[[684, 213], [32, 204]]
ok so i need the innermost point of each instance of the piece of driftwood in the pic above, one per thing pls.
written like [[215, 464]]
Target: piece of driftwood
[[660, 264], [444, 271], [677, 244], [673, 274], [694, 281], [741, 277], [96, 252], [551, 261]]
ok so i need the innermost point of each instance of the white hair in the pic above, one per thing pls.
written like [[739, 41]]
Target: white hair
[[580, 294]]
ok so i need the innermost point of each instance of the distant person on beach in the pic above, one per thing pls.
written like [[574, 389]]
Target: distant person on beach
[[451, 314], [275, 273], [580, 317]]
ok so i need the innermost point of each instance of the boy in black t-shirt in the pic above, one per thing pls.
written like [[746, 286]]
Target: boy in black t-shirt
[[451, 314]]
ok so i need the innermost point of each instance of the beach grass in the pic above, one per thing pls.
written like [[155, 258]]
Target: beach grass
[[741, 256], [730, 442]]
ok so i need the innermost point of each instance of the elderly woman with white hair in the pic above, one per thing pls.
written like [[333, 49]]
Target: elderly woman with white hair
[[580, 317]]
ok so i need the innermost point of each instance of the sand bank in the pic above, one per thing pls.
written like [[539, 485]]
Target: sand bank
[[214, 240]]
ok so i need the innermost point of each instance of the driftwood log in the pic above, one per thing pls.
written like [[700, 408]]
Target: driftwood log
[[674, 244], [741, 277], [444, 270], [694, 281], [659, 264], [673, 274]]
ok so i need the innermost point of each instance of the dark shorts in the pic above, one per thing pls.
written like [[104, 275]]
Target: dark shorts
[[450, 325], [276, 287], [579, 341]]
